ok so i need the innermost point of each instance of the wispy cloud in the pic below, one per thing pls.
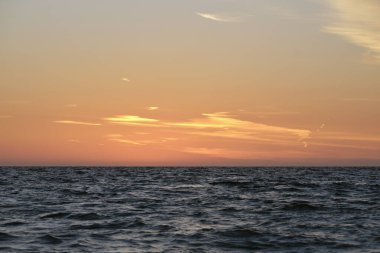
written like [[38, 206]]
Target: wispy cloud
[[224, 125], [347, 140], [350, 137], [121, 139], [5, 116], [153, 108], [72, 122], [358, 22], [135, 141], [130, 120], [222, 134], [124, 79], [218, 152], [229, 153], [347, 146], [220, 17], [71, 105]]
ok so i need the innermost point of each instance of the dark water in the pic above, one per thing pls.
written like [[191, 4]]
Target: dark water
[[190, 209]]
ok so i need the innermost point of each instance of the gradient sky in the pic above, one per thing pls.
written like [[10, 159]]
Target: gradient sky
[[197, 82]]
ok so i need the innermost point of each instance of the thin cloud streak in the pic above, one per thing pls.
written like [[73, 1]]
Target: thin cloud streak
[[347, 146], [218, 152], [357, 22], [131, 120], [279, 139], [229, 127], [247, 139], [348, 137], [72, 122], [220, 17], [241, 154], [343, 140], [121, 139], [222, 125], [125, 141]]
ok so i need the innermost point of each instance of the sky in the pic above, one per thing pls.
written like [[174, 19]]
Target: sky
[[190, 83]]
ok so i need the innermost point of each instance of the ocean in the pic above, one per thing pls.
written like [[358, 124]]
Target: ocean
[[94, 209]]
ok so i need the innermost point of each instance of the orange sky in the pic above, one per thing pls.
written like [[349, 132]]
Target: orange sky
[[203, 82]]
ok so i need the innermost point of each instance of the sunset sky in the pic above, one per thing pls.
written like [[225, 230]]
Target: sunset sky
[[196, 82]]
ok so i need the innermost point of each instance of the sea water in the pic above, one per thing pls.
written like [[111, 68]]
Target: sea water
[[93, 209]]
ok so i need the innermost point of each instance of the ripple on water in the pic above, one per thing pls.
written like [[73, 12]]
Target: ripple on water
[[7, 237], [302, 206], [189, 210], [12, 223], [49, 239]]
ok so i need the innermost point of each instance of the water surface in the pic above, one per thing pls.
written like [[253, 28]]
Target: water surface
[[189, 209]]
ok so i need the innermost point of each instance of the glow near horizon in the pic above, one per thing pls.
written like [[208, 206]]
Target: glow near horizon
[[208, 82]]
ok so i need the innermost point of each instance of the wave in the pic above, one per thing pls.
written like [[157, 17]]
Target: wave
[[302, 206], [189, 210]]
